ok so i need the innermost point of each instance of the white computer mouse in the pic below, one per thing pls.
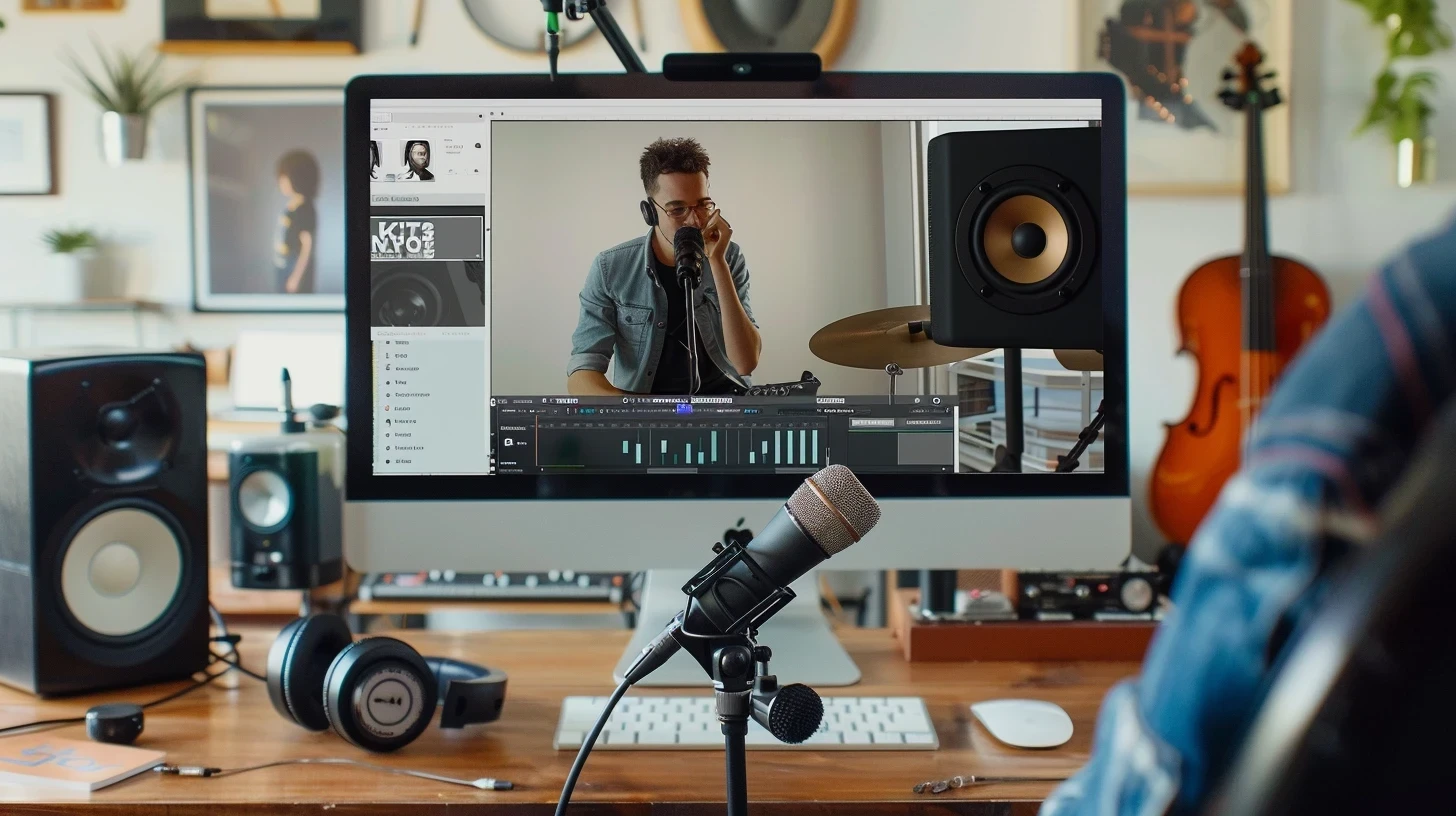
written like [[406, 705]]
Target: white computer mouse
[[1025, 723]]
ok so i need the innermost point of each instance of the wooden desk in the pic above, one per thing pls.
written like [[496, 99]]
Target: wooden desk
[[233, 728]]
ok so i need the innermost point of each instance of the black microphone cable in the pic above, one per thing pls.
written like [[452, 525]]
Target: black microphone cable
[[586, 746]]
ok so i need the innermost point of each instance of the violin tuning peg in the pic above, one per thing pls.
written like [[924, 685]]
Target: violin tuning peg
[[1229, 75], [1269, 75]]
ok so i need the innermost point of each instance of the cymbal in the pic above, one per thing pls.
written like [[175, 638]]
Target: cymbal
[[876, 339], [1079, 359]]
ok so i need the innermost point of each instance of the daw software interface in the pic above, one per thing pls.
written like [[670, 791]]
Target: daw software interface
[[526, 318]]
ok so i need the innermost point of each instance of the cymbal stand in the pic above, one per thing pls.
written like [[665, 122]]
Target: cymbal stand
[[894, 371]]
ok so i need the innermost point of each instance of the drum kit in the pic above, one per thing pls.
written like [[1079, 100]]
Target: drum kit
[[894, 339]]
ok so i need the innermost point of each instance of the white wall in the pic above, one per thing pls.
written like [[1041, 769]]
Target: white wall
[[1343, 215], [806, 201]]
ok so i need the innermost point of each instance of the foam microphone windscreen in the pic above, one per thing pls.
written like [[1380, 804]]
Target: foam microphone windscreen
[[687, 239], [834, 508]]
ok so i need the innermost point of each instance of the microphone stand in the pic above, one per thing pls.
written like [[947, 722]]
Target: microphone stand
[[690, 317], [736, 663], [734, 672]]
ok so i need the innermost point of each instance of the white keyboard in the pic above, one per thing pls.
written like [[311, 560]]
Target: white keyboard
[[691, 723]]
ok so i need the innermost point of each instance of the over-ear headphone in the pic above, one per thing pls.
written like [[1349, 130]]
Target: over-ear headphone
[[649, 211], [378, 692]]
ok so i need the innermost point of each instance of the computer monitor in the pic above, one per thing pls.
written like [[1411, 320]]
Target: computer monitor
[[511, 258]]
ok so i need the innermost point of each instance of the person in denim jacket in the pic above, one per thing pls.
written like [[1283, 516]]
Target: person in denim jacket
[[632, 304], [1331, 440]]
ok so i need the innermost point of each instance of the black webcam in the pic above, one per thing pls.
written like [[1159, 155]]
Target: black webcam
[[766, 67]]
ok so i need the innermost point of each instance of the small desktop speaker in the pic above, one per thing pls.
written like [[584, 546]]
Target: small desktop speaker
[[287, 500], [103, 510], [1014, 249]]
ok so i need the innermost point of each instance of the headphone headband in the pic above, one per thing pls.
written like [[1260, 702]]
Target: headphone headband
[[468, 693]]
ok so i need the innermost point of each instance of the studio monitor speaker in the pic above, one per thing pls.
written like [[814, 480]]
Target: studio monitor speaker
[[287, 498], [103, 519], [1014, 242]]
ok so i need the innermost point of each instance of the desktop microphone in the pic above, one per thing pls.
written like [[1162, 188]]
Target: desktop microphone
[[830, 511], [687, 249]]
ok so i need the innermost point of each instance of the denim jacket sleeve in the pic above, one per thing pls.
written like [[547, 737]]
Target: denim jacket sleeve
[[739, 268], [591, 343], [1328, 444]]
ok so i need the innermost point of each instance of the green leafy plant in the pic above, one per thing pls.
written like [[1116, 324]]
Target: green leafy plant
[[129, 83], [1403, 106], [64, 242]]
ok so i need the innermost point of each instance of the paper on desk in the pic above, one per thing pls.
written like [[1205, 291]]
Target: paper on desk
[[41, 759]]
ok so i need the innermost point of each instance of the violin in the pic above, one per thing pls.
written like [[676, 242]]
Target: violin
[[1242, 318]]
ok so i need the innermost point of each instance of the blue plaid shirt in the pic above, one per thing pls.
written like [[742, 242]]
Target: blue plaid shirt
[[1332, 438]]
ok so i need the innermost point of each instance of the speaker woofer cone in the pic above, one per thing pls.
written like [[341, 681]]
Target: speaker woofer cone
[[265, 501], [1026, 239], [121, 572], [1002, 215], [406, 299]]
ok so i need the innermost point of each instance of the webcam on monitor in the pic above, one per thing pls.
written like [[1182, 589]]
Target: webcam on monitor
[[742, 67]]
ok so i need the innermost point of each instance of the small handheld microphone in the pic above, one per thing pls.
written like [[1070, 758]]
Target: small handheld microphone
[[687, 250], [830, 511]]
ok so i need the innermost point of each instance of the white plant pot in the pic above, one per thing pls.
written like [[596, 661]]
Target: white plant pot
[[123, 137], [87, 275], [69, 276]]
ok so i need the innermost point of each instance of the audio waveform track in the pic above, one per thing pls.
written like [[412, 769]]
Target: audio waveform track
[[754, 434]]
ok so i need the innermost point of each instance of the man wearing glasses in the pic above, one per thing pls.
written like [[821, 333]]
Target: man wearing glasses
[[632, 304]]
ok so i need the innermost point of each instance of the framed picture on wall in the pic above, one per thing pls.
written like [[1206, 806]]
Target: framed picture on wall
[[267, 198], [27, 144], [262, 26], [1181, 140]]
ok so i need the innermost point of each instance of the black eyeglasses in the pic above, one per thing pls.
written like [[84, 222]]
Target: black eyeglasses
[[680, 211]]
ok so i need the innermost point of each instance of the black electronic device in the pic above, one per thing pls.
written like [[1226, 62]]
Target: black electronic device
[[742, 67], [117, 723], [286, 503], [378, 693], [103, 504], [449, 585], [1088, 595], [1015, 260], [806, 386]]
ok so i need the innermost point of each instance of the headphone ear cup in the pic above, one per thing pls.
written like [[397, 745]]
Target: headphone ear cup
[[379, 694], [649, 212], [298, 661]]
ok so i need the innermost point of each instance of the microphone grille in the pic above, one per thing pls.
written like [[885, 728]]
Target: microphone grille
[[795, 713], [850, 512]]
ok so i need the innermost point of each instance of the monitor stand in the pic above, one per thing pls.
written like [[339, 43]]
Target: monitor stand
[[805, 649]]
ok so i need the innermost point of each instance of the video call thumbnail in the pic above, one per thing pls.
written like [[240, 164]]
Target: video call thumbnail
[[424, 158]]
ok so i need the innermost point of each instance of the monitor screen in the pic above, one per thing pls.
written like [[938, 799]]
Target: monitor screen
[[713, 296]]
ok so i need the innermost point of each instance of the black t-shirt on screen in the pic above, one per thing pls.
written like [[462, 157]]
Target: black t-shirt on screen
[[290, 225], [672, 366]]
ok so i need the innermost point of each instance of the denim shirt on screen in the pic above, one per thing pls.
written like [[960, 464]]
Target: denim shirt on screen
[[1332, 439], [624, 313]]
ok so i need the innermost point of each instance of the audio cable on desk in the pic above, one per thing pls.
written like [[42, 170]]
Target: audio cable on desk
[[484, 783]]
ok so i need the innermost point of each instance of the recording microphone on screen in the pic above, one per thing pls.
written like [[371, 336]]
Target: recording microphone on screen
[[687, 248], [830, 511]]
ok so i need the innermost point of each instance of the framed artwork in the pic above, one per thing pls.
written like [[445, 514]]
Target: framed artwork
[[262, 26], [1171, 54], [27, 144], [267, 199], [821, 26]]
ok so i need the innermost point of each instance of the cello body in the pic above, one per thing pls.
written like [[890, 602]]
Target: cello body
[[1242, 318], [1203, 450]]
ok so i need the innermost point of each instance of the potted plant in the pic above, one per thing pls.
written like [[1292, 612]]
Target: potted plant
[[1402, 106], [128, 90], [79, 273]]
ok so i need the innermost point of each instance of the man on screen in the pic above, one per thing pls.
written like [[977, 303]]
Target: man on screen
[[632, 304]]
